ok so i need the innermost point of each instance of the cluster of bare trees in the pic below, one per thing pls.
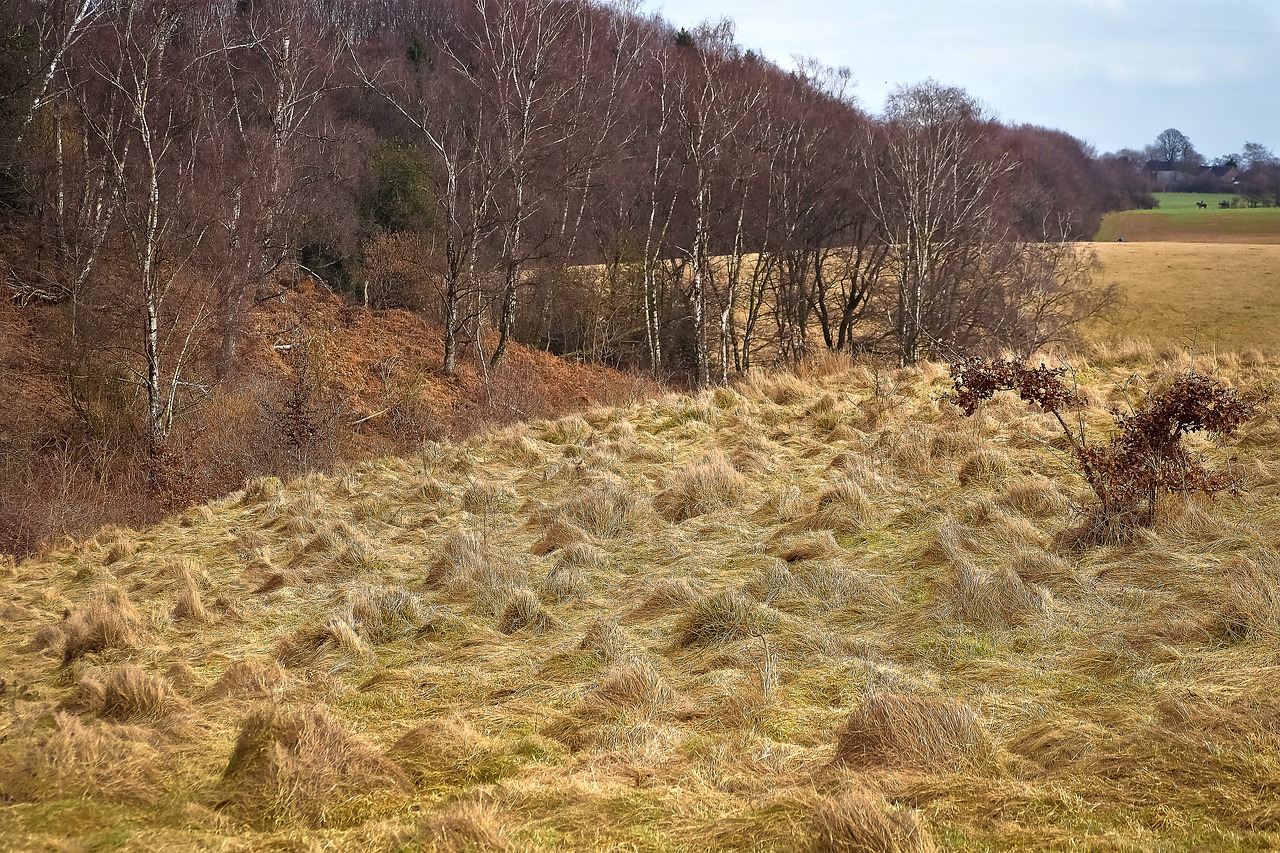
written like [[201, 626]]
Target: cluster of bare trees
[[571, 174]]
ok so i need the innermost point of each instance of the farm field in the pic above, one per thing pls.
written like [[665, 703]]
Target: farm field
[[818, 612], [1178, 220], [1203, 295]]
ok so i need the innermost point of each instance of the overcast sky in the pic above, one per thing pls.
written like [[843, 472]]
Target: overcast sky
[[1114, 73]]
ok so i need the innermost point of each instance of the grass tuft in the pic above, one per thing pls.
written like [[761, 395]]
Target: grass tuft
[[840, 505], [525, 613], [449, 751], [707, 486], [1034, 497], [863, 822], [726, 617], [77, 759], [607, 510], [564, 582], [301, 766], [187, 605], [383, 614], [984, 466], [109, 621], [308, 644], [633, 683], [668, 594], [818, 546], [251, 678], [995, 598], [606, 640], [558, 534], [461, 828], [892, 729], [133, 695]]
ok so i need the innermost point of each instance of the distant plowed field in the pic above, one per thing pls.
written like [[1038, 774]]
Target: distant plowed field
[[1210, 296]]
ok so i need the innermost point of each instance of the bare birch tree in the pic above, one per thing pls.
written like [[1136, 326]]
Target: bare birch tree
[[935, 187], [154, 152]]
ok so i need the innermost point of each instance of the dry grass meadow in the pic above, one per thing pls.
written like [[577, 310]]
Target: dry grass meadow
[[819, 612], [1205, 296]]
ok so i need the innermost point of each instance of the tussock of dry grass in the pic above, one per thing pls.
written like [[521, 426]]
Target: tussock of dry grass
[[262, 489], [606, 510], [667, 595], [188, 606], [580, 555], [785, 504], [487, 499], [819, 546], [77, 759], [525, 613], [461, 828], [132, 695], [840, 505], [993, 598], [1249, 604], [251, 678], [302, 767], [725, 617], [446, 751], [709, 485], [318, 642], [862, 822], [891, 729], [559, 534], [1059, 743], [382, 614], [629, 685], [462, 552], [607, 640], [571, 430], [784, 389], [984, 466], [109, 621], [1034, 497], [1035, 566], [564, 581], [775, 581], [827, 586]]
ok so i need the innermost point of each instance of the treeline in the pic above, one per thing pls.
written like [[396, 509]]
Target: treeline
[[572, 174]]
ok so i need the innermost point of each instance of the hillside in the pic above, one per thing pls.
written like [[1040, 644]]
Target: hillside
[[320, 381], [815, 612]]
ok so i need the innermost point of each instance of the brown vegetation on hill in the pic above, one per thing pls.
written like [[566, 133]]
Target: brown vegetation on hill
[[321, 381]]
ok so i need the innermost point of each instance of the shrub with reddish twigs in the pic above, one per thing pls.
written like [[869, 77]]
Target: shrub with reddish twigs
[[1146, 456]]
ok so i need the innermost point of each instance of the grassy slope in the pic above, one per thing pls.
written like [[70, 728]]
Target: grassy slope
[[1178, 220], [644, 629], [1210, 296]]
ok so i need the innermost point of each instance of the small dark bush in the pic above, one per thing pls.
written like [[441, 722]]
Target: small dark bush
[[1145, 456]]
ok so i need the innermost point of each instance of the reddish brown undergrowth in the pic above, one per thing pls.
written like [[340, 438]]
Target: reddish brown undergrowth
[[322, 382]]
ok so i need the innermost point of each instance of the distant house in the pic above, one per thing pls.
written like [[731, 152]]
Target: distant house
[[1227, 173], [1170, 175], [1167, 174]]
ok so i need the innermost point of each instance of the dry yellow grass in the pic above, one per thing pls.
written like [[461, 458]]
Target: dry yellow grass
[[819, 612], [1209, 296]]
